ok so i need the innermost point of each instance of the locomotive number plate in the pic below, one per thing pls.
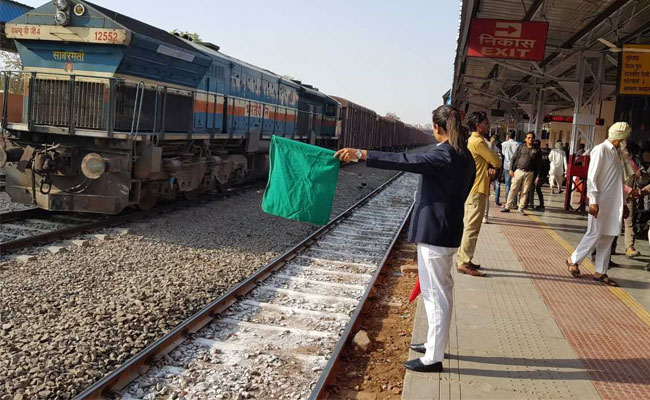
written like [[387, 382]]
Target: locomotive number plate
[[67, 34]]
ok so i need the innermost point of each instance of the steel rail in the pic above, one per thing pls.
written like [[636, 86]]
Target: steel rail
[[331, 367], [132, 368], [21, 214], [58, 234]]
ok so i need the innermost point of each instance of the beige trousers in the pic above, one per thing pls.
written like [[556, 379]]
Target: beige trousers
[[474, 209], [521, 182]]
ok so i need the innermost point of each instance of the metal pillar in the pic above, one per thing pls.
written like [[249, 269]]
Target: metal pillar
[[539, 113], [531, 111], [587, 100], [587, 103]]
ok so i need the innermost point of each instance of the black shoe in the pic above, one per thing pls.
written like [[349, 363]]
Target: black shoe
[[540, 208], [613, 264], [419, 347], [417, 366], [505, 210]]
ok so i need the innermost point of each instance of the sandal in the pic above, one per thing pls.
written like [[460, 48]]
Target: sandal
[[467, 270], [606, 280], [574, 269]]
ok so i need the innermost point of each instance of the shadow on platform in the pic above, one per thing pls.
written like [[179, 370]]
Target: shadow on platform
[[586, 278], [536, 225], [605, 366]]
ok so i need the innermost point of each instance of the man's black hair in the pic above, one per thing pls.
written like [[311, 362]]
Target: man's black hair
[[475, 119]]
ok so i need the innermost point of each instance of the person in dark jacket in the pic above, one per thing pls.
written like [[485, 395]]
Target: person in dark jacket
[[539, 179], [446, 176]]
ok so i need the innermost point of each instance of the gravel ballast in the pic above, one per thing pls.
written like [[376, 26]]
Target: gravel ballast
[[7, 205], [67, 319]]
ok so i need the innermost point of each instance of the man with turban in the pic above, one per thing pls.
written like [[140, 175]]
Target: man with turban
[[607, 209]]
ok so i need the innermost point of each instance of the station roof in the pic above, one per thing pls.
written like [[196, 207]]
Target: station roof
[[8, 11], [574, 26], [11, 9]]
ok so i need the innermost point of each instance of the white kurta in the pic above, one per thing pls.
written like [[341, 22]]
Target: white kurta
[[558, 162], [605, 180]]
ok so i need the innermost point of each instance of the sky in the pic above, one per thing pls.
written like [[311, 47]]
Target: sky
[[389, 56]]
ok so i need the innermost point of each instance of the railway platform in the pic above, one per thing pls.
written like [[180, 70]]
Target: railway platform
[[531, 331]]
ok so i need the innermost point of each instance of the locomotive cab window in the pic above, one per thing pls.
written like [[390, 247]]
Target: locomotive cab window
[[330, 110]]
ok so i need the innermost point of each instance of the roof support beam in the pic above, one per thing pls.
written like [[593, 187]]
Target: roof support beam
[[562, 95], [611, 59], [532, 11], [614, 7], [524, 70], [482, 78], [494, 96], [640, 31]]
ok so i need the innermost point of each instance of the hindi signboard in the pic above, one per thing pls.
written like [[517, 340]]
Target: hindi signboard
[[517, 40], [634, 71]]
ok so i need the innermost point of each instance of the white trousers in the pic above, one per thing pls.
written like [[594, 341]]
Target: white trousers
[[593, 239], [555, 179], [437, 286]]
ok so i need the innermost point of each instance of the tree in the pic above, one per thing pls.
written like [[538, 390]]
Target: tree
[[392, 115], [11, 62], [194, 37]]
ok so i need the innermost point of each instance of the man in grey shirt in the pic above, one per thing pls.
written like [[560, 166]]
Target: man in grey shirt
[[508, 149], [526, 162]]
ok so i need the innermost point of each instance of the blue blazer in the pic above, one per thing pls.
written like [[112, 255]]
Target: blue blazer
[[445, 182]]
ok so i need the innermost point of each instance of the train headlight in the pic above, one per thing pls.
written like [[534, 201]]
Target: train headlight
[[93, 166], [61, 18], [79, 9], [61, 5]]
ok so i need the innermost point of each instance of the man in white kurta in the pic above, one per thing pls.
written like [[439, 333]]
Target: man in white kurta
[[605, 180], [557, 158]]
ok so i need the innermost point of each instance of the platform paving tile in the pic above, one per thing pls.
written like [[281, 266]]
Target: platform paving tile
[[607, 328], [504, 342]]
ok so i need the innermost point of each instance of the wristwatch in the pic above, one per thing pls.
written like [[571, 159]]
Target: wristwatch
[[359, 154]]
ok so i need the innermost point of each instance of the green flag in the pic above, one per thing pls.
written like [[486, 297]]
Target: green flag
[[302, 181]]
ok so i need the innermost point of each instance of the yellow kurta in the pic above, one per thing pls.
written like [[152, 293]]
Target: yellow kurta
[[484, 158]]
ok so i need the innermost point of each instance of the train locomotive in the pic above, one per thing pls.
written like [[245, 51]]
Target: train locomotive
[[109, 112]]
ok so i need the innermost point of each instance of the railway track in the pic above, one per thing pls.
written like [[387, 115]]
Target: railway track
[[35, 227], [277, 334], [23, 228]]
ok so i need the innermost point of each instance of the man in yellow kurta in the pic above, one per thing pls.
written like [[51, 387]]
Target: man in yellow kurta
[[477, 200]]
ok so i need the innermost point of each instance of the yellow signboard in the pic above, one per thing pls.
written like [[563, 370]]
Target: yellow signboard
[[67, 34], [635, 70]]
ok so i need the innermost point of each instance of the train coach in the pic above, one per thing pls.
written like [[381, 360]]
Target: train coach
[[110, 112]]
